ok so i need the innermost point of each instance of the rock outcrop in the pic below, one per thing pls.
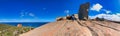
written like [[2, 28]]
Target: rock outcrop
[[76, 28], [19, 25], [77, 25]]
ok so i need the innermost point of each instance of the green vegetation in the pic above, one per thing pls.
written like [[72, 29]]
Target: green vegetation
[[8, 30]]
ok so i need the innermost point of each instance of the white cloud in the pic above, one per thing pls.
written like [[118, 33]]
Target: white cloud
[[118, 14], [107, 11], [67, 11], [31, 14], [113, 17], [27, 14], [97, 7], [22, 14]]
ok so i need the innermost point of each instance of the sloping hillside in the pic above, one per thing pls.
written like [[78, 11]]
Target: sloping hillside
[[76, 28], [8, 30]]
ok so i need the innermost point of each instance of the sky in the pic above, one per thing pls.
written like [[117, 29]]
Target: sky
[[49, 10]]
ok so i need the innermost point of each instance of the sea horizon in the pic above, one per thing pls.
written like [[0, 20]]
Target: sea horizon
[[25, 24]]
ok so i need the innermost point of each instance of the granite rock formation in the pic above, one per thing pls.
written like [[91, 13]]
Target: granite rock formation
[[76, 28], [83, 11]]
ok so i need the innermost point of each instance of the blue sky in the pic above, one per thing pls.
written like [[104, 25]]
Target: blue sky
[[49, 10]]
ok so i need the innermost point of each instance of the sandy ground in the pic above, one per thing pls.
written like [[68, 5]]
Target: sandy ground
[[76, 28]]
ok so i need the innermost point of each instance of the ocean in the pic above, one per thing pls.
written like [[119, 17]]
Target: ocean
[[26, 24]]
